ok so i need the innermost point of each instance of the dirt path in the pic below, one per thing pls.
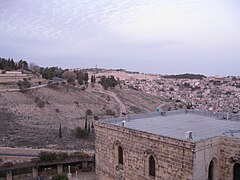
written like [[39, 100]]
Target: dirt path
[[17, 90], [123, 109]]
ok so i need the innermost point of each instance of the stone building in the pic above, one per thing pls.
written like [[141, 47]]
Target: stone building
[[13, 76], [175, 145]]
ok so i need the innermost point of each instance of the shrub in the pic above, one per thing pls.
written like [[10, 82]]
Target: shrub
[[59, 177], [40, 103], [110, 112], [51, 156], [81, 133], [135, 109], [24, 84], [3, 71]]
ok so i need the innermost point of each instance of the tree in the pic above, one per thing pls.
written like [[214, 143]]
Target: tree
[[24, 84], [89, 128], [85, 78], [7, 64], [107, 82], [81, 133], [103, 82], [49, 73], [69, 76], [22, 65], [85, 123], [93, 79], [79, 77], [60, 132]]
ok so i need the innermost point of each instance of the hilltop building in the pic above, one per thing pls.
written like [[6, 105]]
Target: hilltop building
[[13, 76], [185, 144]]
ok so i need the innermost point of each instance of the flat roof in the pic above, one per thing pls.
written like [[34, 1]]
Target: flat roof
[[174, 125]]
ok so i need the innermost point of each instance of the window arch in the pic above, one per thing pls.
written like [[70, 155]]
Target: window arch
[[210, 171], [152, 165], [120, 155], [213, 169], [236, 171]]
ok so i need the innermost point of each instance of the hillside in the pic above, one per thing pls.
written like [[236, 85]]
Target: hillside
[[33, 118]]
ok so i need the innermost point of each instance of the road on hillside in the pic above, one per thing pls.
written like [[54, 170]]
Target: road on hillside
[[31, 88], [123, 109]]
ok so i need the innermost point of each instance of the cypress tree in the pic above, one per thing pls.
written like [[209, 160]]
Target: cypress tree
[[86, 122], [89, 129], [60, 132]]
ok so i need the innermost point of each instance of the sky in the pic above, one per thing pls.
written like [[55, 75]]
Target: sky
[[150, 36]]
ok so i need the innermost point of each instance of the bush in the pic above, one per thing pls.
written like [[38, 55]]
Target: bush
[[107, 82], [24, 84], [59, 177], [51, 156], [80, 155], [3, 71], [81, 133], [110, 112], [135, 109], [40, 103]]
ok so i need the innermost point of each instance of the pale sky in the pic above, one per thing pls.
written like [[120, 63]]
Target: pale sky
[[151, 36]]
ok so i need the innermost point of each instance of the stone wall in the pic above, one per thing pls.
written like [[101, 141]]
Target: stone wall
[[206, 151], [229, 148], [13, 77], [174, 158]]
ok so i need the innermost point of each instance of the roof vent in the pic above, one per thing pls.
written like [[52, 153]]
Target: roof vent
[[123, 123], [163, 113], [188, 135]]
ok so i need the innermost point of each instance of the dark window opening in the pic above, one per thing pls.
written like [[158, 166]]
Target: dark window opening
[[236, 172], [151, 166], [120, 155], [210, 171]]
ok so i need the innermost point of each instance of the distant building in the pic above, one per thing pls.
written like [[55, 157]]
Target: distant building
[[57, 80], [13, 76], [186, 144]]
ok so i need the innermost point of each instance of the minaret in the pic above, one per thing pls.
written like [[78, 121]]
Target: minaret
[[96, 69]]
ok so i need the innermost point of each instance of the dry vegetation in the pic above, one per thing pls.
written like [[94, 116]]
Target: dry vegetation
[[32, 119]]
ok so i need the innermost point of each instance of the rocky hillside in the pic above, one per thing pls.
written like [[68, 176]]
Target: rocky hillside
[[33, 118]]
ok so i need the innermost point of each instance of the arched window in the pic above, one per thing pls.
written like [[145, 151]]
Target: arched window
[[236, 171], [151, 166], [210, 171], [120, 155], [213, 169]]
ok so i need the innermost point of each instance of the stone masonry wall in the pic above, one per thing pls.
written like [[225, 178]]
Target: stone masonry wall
[[229, 148], [206, 150], [174, 158]]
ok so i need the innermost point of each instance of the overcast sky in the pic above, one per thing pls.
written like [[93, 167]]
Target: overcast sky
[[152, 36]]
